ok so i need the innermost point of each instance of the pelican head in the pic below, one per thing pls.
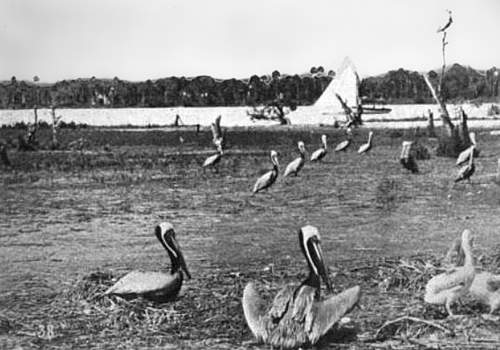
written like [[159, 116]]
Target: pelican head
[[472, 136], [274, 158], [348, 132], [323, 140], [302, 147], [467, 238], [166, 235], [310, 245]]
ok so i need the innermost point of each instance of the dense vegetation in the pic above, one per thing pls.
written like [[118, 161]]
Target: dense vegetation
[[398, 86]]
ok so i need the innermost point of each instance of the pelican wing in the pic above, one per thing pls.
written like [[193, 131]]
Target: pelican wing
[[329, 311], [342, 146], [255, 312], [464, 156], [450, 279], [138, 282], [465, 172], [318, 154], [264, 181], [294, 166]]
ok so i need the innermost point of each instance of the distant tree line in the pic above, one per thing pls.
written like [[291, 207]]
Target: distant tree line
[[398, 86]]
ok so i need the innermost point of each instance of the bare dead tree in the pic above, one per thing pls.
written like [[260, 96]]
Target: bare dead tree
[[450, 141], [352, 118]]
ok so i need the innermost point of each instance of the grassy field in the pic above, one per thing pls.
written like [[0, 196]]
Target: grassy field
[[72, 221]]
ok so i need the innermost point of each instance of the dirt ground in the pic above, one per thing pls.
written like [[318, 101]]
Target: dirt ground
[[70, 222]]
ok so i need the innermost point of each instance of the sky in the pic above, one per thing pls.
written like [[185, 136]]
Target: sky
[[149, 39]]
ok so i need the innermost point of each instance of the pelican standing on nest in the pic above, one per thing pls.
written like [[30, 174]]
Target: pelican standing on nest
[[297, 316], [466, 172], [214, 159], [269, 178], [320, 153], [367, 146], [295, 165], [449, 286], [464, 156], [346, 143], [407, 159], [156, 286]]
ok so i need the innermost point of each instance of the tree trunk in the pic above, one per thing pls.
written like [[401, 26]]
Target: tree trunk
[[445, 117]]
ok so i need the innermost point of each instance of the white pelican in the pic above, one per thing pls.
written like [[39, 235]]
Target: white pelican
[[297, 316], [295, 165], [214, 159], [346, 143], [407, 159], [217, 135], [367, 146], [466, 172], [486, 288], [449, 286], [268, 178], [157, 286], [320, 153], [464, 156]]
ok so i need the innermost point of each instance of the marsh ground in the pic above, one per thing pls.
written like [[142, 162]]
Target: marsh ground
[[66, 215]]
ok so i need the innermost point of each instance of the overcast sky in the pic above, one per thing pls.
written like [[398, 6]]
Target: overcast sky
[[137, 40]]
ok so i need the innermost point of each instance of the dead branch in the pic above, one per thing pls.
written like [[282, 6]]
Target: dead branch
[[413, 319]]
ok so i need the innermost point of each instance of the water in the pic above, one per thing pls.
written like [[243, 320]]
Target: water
[[237, 116]]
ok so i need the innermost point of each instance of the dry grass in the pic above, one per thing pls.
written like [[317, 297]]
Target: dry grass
[[71, 222]]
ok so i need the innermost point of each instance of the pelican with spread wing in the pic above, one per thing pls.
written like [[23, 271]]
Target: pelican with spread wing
[[297, 315], [156, 286]]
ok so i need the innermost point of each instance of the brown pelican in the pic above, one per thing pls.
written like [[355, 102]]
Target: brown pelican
[[295, 165], [448, 24], [217, 135], [214, 159], [156, 286], [407, 159], [268, 178], [449, 286], [297, 316], [320, 153], [367, 146], [466, 172], [346, 143], [463, 157]]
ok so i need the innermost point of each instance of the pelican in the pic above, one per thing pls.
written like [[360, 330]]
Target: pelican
[[268, 178], [486, 288], [448, 24], [346, 143], [297, 316], [463, 157], [295, 165], [407, 159], [320, 153], [466, 172], [449, 286], [156, 286], [214, 159], [367, 146], [217, 135]]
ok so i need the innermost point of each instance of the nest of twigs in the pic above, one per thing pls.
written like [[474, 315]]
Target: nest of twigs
[[208, 314]]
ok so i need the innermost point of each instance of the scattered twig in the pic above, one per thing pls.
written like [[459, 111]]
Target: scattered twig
[[413, 319]]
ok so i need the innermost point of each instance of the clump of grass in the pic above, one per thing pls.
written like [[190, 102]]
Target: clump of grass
[[387, 193]]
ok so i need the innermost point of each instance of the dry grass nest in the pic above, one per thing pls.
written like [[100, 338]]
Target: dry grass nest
[[208, 313]]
